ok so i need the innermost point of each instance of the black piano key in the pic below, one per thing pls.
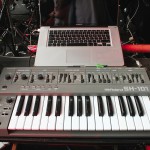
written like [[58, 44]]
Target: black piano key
[[36, 106], [100, 106], [87, 106], [130, 106], [109, 106], [28, 106], [139, 106], [58, 106], [71, 106], [79, 106], [122, 106], [49, 106], [20, 105]]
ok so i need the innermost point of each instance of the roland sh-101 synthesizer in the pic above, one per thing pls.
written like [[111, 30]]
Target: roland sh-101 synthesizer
[[75, 102]]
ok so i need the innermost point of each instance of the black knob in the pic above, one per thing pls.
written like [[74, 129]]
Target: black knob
[[7, 77], [9, 100], [40, 77], [23, 76]]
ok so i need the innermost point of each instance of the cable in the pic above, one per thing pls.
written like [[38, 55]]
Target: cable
[[131, 38], [136, 61], [138, 4], [39, 5], [118, 13]]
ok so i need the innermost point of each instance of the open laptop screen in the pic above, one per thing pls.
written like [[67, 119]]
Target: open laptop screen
[[81, 12], [93, 12]]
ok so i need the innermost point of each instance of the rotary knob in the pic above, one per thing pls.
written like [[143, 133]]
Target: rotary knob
[[24, 77], [7, 77], [9, 100], [40, 77]]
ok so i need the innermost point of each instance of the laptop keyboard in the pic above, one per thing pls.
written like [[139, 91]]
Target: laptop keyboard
[[79, 38]]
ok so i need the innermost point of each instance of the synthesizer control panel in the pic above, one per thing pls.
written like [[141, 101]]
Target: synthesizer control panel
[[64, 80]]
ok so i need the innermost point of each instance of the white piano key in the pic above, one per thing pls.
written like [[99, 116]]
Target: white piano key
[[37, 119], [21, 118], [91, 118], [52, 117], [145, 120], [114, 118], [75, 118], [98, 119], [129, 119], [44, 118], [29, 118], [136, 118], [60, 119], [146, 101], [106, 118], [121, 119], [83, 118], [14, 118], [67, 119]]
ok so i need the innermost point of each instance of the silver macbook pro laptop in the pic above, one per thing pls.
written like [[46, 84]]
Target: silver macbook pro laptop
[[79, 46]]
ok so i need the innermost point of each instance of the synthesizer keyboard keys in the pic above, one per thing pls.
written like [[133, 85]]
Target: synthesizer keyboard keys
[[114, 117], [20, 105], [38, 112], [87, 106], [146, 118], [122, 106], [60, 118], [100, 105], [14, 117], [130, 106], [79, 106], [106, 118], [109, 106], [36, 106], [22, 117], [83, 118], [75, 117], [58, 106], [68, 116], [129, 118], [81, 113], [46, 112], [121, 118], [139, 106], [28, 106], [136, 117], [99, 112], [29, 118], [71, 106], [91, 116], [49, 106], [52, 117]]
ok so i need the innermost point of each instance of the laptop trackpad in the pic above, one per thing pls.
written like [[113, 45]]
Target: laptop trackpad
[[78, 56]]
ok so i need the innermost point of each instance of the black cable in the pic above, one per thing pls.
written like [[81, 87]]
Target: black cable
[[118, 13]]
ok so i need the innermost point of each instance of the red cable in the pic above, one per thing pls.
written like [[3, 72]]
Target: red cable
[[139, 48]]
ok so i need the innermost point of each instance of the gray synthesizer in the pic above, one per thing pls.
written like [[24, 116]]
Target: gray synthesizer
[[73, 102]]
